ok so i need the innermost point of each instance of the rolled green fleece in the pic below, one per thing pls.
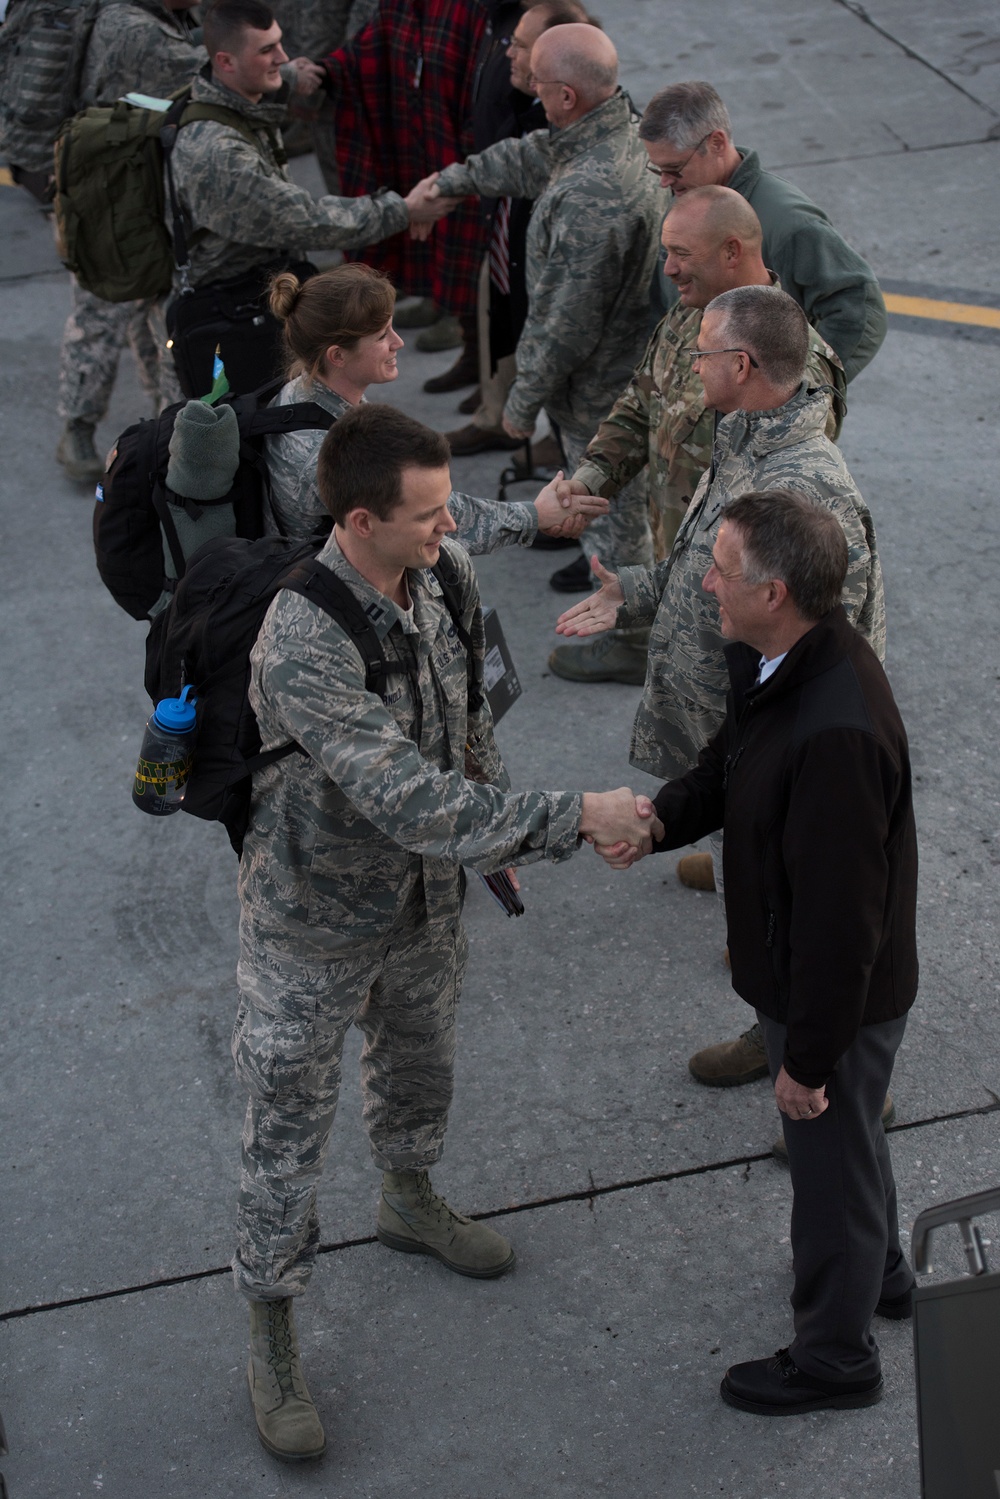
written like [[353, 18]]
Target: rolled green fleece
[[204, 451]]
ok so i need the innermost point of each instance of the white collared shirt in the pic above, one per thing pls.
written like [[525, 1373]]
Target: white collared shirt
[[768, 668]]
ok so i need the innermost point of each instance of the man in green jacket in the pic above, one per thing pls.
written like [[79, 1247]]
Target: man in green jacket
[[688, 136]]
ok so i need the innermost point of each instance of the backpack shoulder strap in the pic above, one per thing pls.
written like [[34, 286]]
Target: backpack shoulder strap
[[222, 116], [323, 587], [299, 417], [448, 583]]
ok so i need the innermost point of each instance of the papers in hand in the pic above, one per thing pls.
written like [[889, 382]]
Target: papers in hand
[[502, 890]]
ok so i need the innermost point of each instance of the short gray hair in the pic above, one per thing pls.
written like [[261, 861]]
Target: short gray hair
[[683, 114], [790, 537], [771, 326]]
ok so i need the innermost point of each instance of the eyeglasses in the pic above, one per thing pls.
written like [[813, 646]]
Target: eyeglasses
[[696, 354], [678, 171], [514, 44]]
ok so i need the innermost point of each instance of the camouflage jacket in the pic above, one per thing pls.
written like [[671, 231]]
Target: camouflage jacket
[[591, 250], [297, 510], [684, 699], [241, 207], [138, 46], [340, 837], [661, 419]]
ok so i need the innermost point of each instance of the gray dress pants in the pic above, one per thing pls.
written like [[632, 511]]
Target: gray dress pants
[[845, 1234]]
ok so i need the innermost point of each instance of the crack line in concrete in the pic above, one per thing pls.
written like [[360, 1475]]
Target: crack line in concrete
[[833, 161], [584, 1195], [857, 9]]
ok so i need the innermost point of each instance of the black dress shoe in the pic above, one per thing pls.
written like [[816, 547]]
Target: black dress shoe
[[777, 1387], [896, 1308], [472, 402], [574, 578]]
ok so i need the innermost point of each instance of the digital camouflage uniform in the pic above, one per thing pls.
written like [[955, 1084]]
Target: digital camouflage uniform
[[296, 509], [591, 248], [240, 206], [684, 700], [136, 45], [660, 419], [351, 894]]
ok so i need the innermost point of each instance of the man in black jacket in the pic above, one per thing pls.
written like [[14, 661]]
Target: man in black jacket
[[810, 777]]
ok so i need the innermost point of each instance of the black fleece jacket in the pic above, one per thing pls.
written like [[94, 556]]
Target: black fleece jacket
[[810, 778]]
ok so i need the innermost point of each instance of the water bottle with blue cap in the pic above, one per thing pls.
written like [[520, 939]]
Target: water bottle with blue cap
[[166, 756]]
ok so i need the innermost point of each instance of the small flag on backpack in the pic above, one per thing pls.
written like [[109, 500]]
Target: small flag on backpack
[[220, 385]]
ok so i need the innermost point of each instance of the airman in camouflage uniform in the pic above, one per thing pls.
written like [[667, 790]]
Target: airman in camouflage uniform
[[592, 243], [661, 420], [351, 888], [296, 508], [240, 205], [684, 701], [144, 46]]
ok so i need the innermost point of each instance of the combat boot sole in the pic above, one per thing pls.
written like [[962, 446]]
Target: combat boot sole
[[417, 1246]]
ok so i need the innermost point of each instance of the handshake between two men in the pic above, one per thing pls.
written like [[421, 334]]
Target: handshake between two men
[[621, 826]]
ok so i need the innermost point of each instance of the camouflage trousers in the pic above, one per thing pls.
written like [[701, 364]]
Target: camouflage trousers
[[402, 993], [623, 537], [95, 334]]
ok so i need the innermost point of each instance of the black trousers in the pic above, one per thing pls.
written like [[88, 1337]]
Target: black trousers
[[845, 1234]]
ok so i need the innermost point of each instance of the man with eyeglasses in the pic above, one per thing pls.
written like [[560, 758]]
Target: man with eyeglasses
[[687, 134], [591, 241], [712, 241], [751, 354]]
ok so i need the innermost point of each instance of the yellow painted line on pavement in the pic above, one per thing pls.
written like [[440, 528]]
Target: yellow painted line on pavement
[[6, 180], [943, 312]]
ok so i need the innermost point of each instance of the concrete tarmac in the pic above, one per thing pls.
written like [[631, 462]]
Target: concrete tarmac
[[650, 1221]]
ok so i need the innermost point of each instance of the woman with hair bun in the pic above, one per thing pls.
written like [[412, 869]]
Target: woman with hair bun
[[340, 339]]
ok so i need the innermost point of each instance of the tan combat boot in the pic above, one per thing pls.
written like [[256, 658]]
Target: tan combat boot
[[414, 1219], [696, 871], [287, 1422], [731, 1063]]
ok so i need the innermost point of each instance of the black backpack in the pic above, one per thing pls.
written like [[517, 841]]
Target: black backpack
[[133, 514], [205, 636]]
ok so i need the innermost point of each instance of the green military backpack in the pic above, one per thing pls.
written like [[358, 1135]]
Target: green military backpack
[[110, 163]]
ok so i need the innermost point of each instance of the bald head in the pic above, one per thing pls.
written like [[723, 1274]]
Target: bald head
[[574, 68], [719, 213], [713, 242]]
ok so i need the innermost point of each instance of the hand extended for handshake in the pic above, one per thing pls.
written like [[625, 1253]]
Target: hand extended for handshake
[[426, 206], [567, 514], [621, 826]]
